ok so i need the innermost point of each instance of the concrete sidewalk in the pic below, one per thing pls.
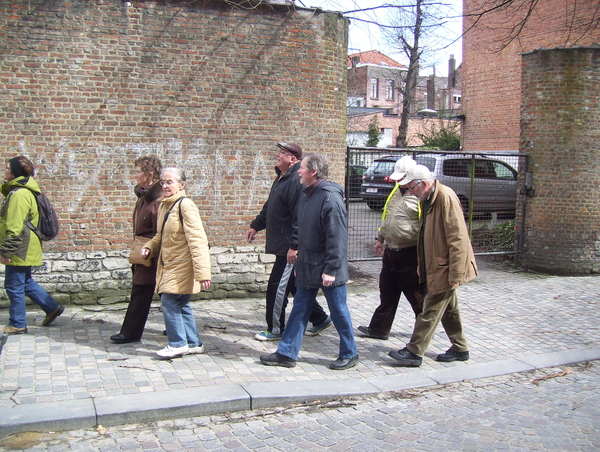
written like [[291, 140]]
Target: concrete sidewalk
[[70, 375]]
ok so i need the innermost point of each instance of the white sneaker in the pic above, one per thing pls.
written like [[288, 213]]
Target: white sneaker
[[196, 350], [172, 352]]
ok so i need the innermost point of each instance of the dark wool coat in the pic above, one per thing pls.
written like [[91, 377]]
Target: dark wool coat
[[144, 224], [279, 214], [322, 236]]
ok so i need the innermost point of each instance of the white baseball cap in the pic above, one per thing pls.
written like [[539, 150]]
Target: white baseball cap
[[417, 172], [402, 166]]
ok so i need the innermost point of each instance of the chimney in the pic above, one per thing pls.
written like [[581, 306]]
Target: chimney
[[451, 72], [431, 92]]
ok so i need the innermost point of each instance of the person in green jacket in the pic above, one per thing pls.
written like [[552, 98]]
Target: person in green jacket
[[20, 247]]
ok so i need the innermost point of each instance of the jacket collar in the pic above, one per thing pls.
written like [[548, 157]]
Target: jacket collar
[[168, 201], [21, 181], [149, 194], [311, 189], [292, 169]]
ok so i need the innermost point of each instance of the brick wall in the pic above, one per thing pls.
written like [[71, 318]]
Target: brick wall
[[88, 86], [492, 73], [561, 132]]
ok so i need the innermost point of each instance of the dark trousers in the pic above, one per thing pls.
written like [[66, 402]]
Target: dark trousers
[[137, 311], [282, 283], [398, 276]]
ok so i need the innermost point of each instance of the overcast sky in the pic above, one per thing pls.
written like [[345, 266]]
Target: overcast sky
[[363, 37]]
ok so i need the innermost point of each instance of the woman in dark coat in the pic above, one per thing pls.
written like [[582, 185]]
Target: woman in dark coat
[[147, 190]]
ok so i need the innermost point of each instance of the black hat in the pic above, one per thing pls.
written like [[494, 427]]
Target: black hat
[[292, 148]]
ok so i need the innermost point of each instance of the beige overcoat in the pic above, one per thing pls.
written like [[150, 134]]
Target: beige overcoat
[[182, 250], [448, 252]]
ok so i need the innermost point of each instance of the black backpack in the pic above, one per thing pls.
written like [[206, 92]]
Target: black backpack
[[48, 226]]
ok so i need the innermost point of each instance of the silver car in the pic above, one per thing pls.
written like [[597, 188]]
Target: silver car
[[493, 189]]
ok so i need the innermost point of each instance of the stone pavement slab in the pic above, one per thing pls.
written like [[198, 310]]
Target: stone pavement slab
[[283, 393], [513, 320], [126, 409], [48, 416]]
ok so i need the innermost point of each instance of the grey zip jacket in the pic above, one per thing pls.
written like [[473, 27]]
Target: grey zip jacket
[[322, 236]]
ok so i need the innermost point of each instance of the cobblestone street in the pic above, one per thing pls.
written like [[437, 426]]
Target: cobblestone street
[[551, 409]]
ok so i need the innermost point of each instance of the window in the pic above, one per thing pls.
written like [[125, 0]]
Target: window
[[389, 90], [504, 172], [456, 98], [374, 88], [456, 168], [355, 102]]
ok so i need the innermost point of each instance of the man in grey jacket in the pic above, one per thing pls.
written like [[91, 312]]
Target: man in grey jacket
[[322, 263], [279, 217]]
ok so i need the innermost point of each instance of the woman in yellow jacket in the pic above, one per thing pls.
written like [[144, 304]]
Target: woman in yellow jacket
[[183, 264], [20, 248]]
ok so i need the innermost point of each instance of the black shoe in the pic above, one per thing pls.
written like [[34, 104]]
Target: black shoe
[[370, 332], [341, 364], [275, 359], [53, 315], [452, 355], [121, 339], [406, 358]]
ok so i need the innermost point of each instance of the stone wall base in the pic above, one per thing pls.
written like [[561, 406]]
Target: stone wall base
[[104, 278]]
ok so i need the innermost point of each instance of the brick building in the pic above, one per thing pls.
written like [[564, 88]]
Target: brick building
[[374, 94], [491, 79], [87, 87], [534, 86], [373, 80]]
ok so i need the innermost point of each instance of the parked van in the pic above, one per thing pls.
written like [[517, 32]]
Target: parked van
[[494, 185]]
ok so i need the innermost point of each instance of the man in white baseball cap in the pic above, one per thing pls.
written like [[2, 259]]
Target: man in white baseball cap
[[396, 243]]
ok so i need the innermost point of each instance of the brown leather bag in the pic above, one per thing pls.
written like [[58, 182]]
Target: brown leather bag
[[135, 256]]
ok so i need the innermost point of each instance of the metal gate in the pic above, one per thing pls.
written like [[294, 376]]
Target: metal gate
[[489, 185]]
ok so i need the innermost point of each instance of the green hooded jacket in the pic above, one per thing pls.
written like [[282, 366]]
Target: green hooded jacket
[[18, 242]]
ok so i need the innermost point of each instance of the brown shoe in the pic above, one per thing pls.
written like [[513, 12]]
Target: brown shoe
[[14, 330], [53, 315]]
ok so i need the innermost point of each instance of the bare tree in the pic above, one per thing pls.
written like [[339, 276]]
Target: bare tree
[[409, 42], [415, 30], [580, 18]]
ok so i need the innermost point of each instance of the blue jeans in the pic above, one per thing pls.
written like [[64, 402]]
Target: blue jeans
[[340, 315], [179, 320], [18, 283]]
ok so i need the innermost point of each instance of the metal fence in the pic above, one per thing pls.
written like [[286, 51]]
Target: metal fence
[[487, 184]]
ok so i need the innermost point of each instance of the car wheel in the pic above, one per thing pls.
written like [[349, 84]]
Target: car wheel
[[375, 205]]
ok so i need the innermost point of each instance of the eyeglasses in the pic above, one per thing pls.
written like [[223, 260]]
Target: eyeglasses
[[409, 189], [168, 182], [279, 151]]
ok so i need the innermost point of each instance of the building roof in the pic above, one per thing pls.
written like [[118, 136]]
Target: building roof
[[373, 57], [364, 111]]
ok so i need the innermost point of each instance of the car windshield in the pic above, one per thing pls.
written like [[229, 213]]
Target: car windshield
[[382, 167], [358, 170]]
